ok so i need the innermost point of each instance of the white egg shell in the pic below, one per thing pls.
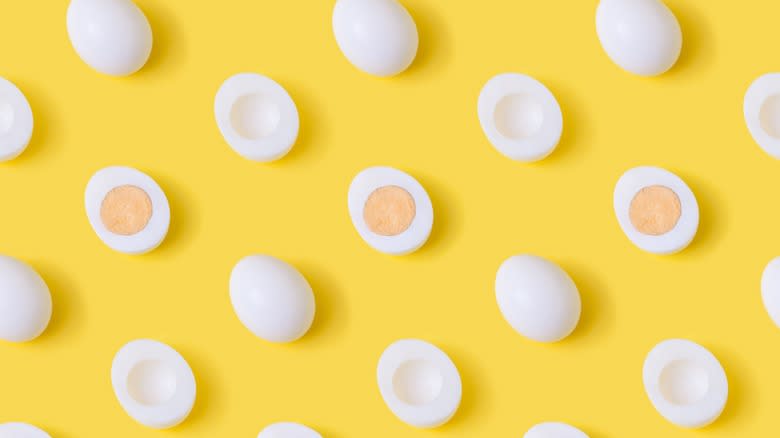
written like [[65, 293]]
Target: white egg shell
[[21, 430], [554, 430], [288, 430], [271, 298], [770, 290], [153, 383], [256, 116], [25, 301], [111, 36], [377, 36], [155, 230], [641, 36], [419, 383], [762, 112], [16, 121], [685, 383], [520, 117], [537, 298], [683, 232]]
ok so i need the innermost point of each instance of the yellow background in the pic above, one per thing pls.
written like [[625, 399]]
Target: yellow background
[[487, 208]]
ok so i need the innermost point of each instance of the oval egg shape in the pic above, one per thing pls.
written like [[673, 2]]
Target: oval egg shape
[[25, 301], [21, 430], [554, 430], [16, 121], [288, 430]]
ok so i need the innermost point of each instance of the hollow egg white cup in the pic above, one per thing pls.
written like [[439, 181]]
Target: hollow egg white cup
[[16, 121], [762, 112]]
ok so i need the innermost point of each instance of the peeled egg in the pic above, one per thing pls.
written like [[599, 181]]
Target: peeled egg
[[377, 36], [127, 209], [390, 210], [641, 36], [657, 211], [16, 121], [770, 290], [288, 430], [111, 36], [271, 298], [554, 430], [419, 383], [520, 117], [25, 301], [153, 383], [537, 298], [762, 112], [685, 383], [21, 430]]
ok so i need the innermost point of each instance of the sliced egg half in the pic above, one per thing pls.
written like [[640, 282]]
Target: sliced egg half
[[16, 121], [762, 112], [127, 209], [657, 211], [685, 383], [21, 430], [153, 383], [288, 430], [419, 383], [390, 210], [554, 430]]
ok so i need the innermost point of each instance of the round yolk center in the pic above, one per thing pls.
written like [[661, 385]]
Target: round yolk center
[[389, 211], [655, 210], [126, 210]]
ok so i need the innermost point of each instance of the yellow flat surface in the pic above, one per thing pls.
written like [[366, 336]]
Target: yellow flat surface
[[487, 208]]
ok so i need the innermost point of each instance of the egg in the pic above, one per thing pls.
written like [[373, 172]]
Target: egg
[[685, 383], [520, 117], [537, 298], [16, 121], [288, 430], [770, 290], [21, 430], [390, 210], [111, 36], [762, 112], [419, 383], [153, 383], [127, 209], [641, 36], [554, 430], [25, 301], [656, 210], [256, 116], [271, 298], [378, 37]]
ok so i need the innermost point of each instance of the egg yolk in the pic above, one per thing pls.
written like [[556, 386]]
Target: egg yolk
[[389, 211], [126, 210], [655, 210]]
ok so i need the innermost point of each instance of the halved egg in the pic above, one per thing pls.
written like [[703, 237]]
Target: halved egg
[[554, 430], [641, 36], [153, 383], [520, 117], [256, 116], [21, 430], [770, 290], [127, 209], [390, 210], [656, 210], [16, 121], [762, 112], [288, 430], [111, 36], [685, 383], [419, 383], [25, 301]]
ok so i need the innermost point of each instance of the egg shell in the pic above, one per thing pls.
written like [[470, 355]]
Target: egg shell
[[25, 301], [554, 430], [16, 121], [288, 430]]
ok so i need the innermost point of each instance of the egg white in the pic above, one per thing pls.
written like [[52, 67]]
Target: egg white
[[288, 430], [16, 113]]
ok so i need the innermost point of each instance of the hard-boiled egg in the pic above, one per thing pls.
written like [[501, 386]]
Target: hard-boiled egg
[[770, 290], [656, 210], [685, 383], [111, 36], [127, 209], [762, 112], [554, 430], [16, 121], [271, 298], [641, 36], [288, 430], [390, 210], [25, 301], [153, 383], [256, 117], [21, 430], [377, 36], [419, 383], [520, 117], [537, 298]]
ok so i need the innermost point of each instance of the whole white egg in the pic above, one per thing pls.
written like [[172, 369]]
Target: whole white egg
[[112, 36], [25, 301], [377, 36], [271, 298], [537, 298], [641, 36]]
